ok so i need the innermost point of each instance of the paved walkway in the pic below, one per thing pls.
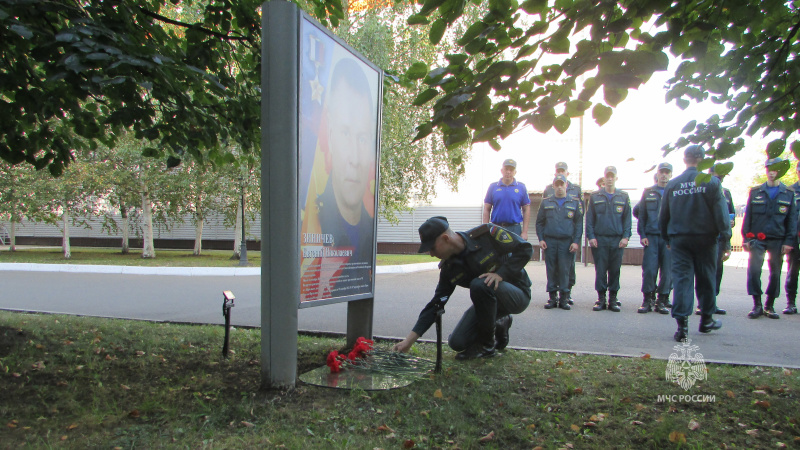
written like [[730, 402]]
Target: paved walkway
[[194, 295]]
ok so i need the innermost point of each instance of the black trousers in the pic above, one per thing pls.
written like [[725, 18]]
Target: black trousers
[[694, 264], [558, 261], [792, 271], [756, 261], [607, 263]]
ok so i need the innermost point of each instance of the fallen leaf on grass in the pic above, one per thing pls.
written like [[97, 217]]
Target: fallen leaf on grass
[[597, 417], [134, 414], [247, 424], [730, 394], [39, 346], [760, 392], [639, 406], [637, 422], [408, 443], [72, 426], [694, 425], [578, 390], [487, 438], [775, 432], [559, 363], [763, 404], [38, 365], [781, 445], [600, 399], [646, 356], [425, 413], [589, 424], [625, 400], [787, 372], [677, 437], [16, 374], [752, 432], [531, 426], [124, 387], [575, 428], [385, 428], [438, 394], [12, 424], [62, 383], [140, 353]]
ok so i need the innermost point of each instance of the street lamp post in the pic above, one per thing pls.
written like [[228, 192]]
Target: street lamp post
[[243, 250]]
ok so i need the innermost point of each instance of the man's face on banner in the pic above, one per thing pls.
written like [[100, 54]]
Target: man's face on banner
[[352, 146]]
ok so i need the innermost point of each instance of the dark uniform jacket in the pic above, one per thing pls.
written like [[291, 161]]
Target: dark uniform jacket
[[572, 189], [647, 212], [694, 210], [776, 218], [606, 217], [489, 249], [731, 210], [564, 222], [796, 188]]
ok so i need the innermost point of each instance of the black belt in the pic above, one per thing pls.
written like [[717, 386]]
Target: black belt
[[508, 224]]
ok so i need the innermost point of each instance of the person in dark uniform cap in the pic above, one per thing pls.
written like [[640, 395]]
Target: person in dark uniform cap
[[656, 257], [575, 191], [608, 228], [692, 218], [769, 225], [507, 203], [559, 226], [793, 266], [489, 261]]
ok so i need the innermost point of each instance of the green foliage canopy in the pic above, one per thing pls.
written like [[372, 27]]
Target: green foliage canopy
[[542, 63]]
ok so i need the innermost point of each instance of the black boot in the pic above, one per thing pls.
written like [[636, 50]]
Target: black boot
[[600, 304], [683, 328], [707, 324], [757, 311], [552, 302], [790, 306], [769, 309], [569, 298], [483, 347], [501, 327], [647, 303], [666, 302], [660, 306], [563, 301], [613, 303]]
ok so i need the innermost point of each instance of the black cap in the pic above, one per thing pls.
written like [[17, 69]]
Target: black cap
[[773, 161], [430, 230], [560, 177], [694, 152]]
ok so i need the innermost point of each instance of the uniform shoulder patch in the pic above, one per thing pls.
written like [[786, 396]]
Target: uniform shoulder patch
[[479, 230], [501, 235]]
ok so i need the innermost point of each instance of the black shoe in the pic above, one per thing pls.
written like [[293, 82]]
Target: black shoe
[[707, 324], [769, 312], [563, 301], [476, 351], [501, 327], [569, 300], [697, 312], [758, 310], [683, 329], [665, 300], [720, 312], [599, 305], [613, 304], [790, 309], [647, 304], [552, 302], [659, 304]]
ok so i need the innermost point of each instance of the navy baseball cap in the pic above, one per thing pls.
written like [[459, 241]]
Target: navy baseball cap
[[560, 177], [510, 162], [773, 161], [665, 165], [430, 230], [561, 166], [611, 169], [694, 152]]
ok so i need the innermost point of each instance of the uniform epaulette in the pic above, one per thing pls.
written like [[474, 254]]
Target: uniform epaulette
[[479, 230]]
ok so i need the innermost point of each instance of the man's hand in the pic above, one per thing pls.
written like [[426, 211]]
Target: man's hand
[[543, 245], [524, 234], [746, 246], [785, 249], [405, 345], [573, 247], [725, 255], [645, 242], [623, 243], [491, 278], [593, 243]]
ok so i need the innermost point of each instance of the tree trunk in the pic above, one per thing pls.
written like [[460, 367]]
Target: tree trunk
[[126, 231], [148, 246], [237, 233], [12, 237], [65, 241], [198, 237]]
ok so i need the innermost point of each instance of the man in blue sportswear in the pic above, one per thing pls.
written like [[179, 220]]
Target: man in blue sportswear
[[507, 203], [559, 226], [489, 261], [657, 258], [769, 225], [608, 229], [692, 218]]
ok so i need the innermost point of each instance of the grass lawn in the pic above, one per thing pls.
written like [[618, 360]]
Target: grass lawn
[[77, 382], [164, 258]]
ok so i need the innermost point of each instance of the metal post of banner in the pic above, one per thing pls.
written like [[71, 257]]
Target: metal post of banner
[[359, 320], [280, 238]]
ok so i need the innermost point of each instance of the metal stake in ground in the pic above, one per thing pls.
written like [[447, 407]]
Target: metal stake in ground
[[438, 368], [227, 304]]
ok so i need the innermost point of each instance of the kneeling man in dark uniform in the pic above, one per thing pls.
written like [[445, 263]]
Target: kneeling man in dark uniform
[[489, 261]]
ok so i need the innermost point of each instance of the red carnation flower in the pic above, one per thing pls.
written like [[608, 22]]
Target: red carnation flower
[[333, 361], [750, 235], [761, 236]]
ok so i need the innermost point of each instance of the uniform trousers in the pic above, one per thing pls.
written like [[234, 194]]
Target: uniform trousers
[[694, 265], [607, 263], [657, 259], [756, 261], [558, 261], [487, 305], [721, 246], [792, 271]]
